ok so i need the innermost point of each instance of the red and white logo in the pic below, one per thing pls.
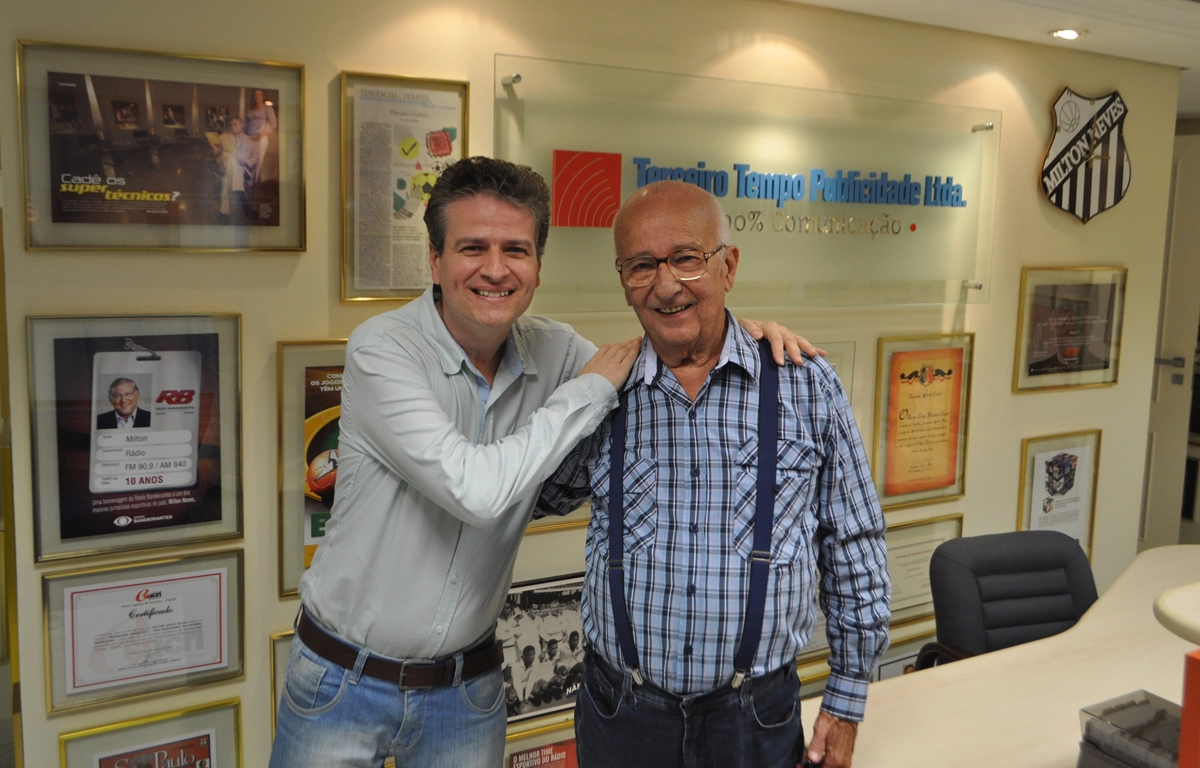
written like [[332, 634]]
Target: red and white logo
[[587, 188]]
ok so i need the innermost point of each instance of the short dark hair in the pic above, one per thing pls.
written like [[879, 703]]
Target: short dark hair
[[519, 185]]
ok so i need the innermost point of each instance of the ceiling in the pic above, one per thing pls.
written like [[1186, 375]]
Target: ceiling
[[1160, 31]]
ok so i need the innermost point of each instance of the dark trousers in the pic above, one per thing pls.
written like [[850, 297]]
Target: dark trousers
[[624, 725]]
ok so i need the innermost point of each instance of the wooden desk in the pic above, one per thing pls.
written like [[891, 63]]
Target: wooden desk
[[1178, 610], [1020, 707]]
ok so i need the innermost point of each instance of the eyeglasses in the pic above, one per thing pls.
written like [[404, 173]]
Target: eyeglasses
[[685, 265]]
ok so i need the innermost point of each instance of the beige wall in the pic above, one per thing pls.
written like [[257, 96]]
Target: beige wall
[[295, 296]]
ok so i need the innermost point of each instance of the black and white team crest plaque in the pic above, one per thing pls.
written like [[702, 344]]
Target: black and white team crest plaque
[[1086, 170]]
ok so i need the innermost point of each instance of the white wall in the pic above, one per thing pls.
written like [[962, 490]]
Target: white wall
[[295, 296]]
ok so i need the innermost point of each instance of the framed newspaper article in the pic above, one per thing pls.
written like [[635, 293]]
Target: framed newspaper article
[[1059, 474], [205, 736], [398, 135], [136, 432], [310, 408], [922, 408], [1069, 328], [131, 150], [142, 628]]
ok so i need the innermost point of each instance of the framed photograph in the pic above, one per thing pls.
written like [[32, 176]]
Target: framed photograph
[[909, 548], [922, 408], [206, 736], [1069, 327], [132, 630], [310, 408], [131, 150], [281, 648], [542, 631], [136, 432], [1058, 485], [398, 135]]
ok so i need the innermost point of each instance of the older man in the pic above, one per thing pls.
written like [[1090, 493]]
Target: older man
[[737, 483], [454, 409]]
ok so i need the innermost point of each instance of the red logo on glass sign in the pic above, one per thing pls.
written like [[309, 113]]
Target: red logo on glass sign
[[587, 188]]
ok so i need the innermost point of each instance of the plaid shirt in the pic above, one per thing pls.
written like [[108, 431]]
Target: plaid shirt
[[690, 471]]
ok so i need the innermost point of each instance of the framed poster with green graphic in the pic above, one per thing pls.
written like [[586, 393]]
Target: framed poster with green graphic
[[310, 408]]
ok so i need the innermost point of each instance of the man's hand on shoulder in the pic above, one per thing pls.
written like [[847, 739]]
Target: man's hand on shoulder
[[832, 743], [614, 361], [781, 340]]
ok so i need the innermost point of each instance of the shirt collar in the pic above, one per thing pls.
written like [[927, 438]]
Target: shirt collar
[[517, 357], [739, 349]]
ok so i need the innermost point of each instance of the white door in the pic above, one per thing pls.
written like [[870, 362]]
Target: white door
[[1179, 319]]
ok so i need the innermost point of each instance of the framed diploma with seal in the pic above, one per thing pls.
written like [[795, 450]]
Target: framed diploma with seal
[[1059, 474], [131, 150], [398, 135], [1069, 328], [310, 408], [922, 407], [142, 628], [136, 432], [205, 736]]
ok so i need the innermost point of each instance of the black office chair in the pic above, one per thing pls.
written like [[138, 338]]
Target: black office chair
[[1004, 589]]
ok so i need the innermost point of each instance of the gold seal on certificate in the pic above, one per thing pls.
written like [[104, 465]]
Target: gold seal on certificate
[[146, 419]]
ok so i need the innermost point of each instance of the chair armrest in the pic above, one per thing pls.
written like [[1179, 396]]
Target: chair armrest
[[932, 654]]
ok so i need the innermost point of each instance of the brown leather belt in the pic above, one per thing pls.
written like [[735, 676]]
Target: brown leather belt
[[482, 658]]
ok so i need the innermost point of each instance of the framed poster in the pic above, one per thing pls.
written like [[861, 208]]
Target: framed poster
[[1069, 327], [1059, 474], [310, 408], [559, 754], [398, 135], [910, 546], [542, 631], [281, 648], [206, 736], [142, 628], [131, 150], [136, 432], [922, 408]]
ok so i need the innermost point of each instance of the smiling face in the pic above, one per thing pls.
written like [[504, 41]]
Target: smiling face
[[682, 319], [124, 398], [487, 270]]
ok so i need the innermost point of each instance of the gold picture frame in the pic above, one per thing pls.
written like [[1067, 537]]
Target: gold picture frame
[[215, 729], [1068, 501], [919, 454], [1069, 326], [308, 375], [393, 264], [142, 152], [910, 546], [86, 614], [173, 478], [281, 646]]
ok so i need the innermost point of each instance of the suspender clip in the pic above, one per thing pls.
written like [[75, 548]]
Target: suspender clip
[[637, 676], [739, 677], [760, 556], [616, 565]]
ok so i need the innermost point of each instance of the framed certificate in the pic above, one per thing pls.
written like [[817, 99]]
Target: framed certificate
[[310, 408], [910, 546], [1069, 328], [142, 628], [922, 408], [130, 150], [1059, 474], [205, 736], [136, 432], [398, 135]]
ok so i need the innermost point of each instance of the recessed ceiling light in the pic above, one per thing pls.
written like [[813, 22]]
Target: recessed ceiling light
[[1067, 34]]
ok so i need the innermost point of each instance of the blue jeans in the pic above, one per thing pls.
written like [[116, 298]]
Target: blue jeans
[[332, 717], [624, 725]]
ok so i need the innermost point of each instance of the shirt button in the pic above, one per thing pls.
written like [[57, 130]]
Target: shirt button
[[687, 650], [441, 629], [691, 589], [692, 414], [694, 528], [696, 471]]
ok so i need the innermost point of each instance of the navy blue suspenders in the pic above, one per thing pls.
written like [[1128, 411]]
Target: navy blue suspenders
[[764, 515]]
